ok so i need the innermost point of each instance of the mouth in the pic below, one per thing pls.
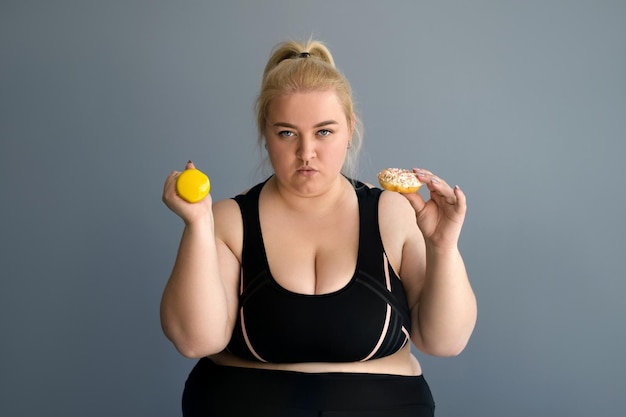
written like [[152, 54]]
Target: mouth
[[306, 170]]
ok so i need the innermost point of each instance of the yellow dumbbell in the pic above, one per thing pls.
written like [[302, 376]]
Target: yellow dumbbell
[[193, 185]]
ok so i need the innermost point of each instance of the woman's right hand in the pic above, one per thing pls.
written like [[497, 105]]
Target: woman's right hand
[[189, 212]]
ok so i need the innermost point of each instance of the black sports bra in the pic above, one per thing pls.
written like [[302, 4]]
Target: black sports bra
[[368, 318]]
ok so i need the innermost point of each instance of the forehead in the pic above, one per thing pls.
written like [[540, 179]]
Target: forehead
[[305, 107]]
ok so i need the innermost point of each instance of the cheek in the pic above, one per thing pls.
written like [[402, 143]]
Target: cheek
[[278, 157], [338, 153]]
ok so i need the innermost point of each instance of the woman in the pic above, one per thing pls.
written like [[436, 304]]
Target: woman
[[303, 295]]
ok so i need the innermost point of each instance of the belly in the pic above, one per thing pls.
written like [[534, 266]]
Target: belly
[[403, 362]]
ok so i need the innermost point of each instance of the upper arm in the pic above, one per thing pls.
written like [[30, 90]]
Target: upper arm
[[229, 242], [404, 243]]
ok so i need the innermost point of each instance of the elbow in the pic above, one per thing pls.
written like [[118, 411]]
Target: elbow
[[446, 342], [443, 348], [194, 339], [449, 351], [194, 344], [196, 348], [442, 351], [195, 352]]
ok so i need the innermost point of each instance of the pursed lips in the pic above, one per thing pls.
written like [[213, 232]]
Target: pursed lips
[[306, 169]]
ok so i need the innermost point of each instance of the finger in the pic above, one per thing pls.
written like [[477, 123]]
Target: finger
[[426, 177], [416, 200], [172, 177], [422, 171], [190, 165], [461, 199], [441, 192], [438, 187], [168, 186]]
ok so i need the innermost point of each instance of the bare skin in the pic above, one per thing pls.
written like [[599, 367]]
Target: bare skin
[[309, 219]]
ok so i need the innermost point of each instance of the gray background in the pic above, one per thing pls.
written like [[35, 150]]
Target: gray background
[[522, 103]]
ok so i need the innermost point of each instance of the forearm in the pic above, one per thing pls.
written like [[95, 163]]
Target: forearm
[[444, 319], [194, 312]]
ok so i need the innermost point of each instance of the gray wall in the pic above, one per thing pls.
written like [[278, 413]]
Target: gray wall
[[522, 103]]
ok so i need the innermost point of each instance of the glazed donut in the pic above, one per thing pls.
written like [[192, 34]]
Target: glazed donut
[[401, 180]]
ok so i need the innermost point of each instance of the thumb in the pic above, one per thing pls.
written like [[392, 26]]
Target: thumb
[[416, 201], [190, 165]]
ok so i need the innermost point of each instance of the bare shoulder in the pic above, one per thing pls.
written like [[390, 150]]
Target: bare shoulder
[[225, 209], [396, 219], [394, 211], [228, 224], [396, 208], [393, 203], [403, 241]]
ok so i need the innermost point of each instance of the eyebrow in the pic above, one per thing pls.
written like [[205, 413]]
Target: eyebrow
[[320, 124]]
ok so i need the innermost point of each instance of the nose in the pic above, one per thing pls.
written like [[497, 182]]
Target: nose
[[306, 149]]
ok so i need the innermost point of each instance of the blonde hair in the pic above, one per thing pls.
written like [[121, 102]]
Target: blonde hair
[[300, 67]]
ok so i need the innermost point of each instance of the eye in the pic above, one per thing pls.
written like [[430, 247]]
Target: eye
[[324, 132], [285, 133]]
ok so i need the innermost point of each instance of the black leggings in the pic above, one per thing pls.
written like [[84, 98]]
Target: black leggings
[[225, 391]]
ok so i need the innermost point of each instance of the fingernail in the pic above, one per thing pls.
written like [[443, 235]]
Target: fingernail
[[189, 162]]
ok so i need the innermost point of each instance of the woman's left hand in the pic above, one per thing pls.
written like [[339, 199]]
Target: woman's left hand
[[441, 217]]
